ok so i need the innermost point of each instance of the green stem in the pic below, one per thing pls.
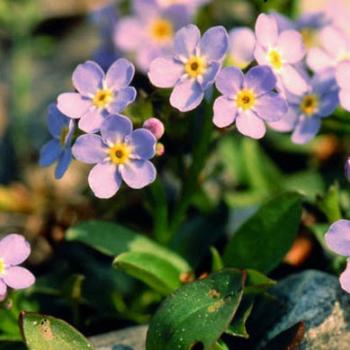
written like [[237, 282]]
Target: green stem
[[199, 156]]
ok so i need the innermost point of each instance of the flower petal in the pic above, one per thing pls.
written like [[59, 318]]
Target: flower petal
[[88, 78], [242, 44], [344, 97], [129, 34], [319, 60], [271, 107], [56, 121], [225, 112], [50, 152], [306, 129], [104, 180], [123, 98], [73, 104], [343, 74], [143, 144], [186, 40], [229, 81], [164, 72], [115, 128], [287, 122], [261, 79], [334, 40], [210, 75], [14, 249], [250, 125], [293, 81], [290, 43], [214, 43], [186, 96], [18, 277], [338, 237], [266, 30], [63, 163], [344, 278], [328, 103], [120, 74], [92, 120], [138, 173], [89, 149]]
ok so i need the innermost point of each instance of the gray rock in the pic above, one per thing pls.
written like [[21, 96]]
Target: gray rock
[[317, 299], [133, 338]]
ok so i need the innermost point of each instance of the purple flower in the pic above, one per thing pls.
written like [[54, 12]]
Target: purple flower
[[334, 48], [281, 51], [242, 45], [99, 94], [14, 250], [193, 67], [343, 79], [191, 5], [248, 100], [59, 148], [307, 110], [119, 154], [338, 240], [150, 32]]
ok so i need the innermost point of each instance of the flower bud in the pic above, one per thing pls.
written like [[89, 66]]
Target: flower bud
[[155, 126], [160, 149]]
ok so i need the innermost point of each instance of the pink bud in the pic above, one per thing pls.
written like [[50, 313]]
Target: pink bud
[[155, 126], [160, 149]]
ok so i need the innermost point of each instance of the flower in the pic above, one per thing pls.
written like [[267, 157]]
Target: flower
[[59, 148], [338, 240], [99, 94], [241, 47], [119, 154], [155, 126], [191, 5], [193, 67], [307, 110], [14, 250], [343, 79], [248, 100], [281, 51], [149, 33], [334, 48]]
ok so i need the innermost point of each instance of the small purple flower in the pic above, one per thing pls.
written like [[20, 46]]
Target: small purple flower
[[334, 48], [59, 148], [281, 51], [248, 100], [241, 47], [99, 94], [343, 79], [338, 240], [149, 33], [119, 154], [307, 110], [193, 67], [14, 250]]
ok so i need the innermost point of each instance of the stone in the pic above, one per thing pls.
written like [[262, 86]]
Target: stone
[[132, 338], [315, 298]]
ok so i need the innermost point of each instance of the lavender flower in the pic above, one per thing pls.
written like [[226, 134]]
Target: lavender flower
[[281, 51], [98, 94], [242, 45], [248, 100], [343, 79], [191, 5], [14, 250], [307, 110], [338, 240], [193, 67], [149, 33], [119, 154], [59, 148]]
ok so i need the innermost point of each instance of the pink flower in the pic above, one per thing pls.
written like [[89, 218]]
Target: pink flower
[[14, 250]]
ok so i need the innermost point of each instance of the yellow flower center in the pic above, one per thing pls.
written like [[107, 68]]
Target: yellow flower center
[[195, 66], [119, 153], [102, 98], [309, 105], [245, 99], [162, 30], [233, 61], [275, 59], [2, 266], [309, 37], [63, 135]]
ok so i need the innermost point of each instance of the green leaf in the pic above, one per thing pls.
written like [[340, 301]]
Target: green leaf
[[45, 332], [329, 204], [264, 239], [257, 282], [156, 272], [216, 262], [112, 239], [197, 313]]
